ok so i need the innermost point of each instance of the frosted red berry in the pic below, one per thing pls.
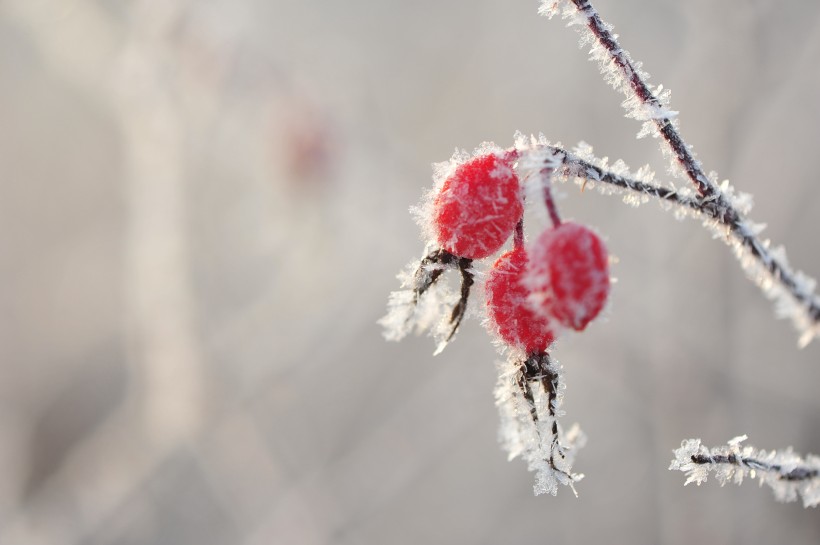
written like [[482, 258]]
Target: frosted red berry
[[569, 275], [507, 306], [477, 207]]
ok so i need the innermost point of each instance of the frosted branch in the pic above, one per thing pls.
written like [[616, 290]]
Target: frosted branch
[[642, 102], [789, 475]]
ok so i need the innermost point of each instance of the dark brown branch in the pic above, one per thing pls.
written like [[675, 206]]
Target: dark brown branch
[[664, 124], [796, 474], [790, 476]]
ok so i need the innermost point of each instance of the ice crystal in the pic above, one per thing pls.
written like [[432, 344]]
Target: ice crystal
[[551, 8]]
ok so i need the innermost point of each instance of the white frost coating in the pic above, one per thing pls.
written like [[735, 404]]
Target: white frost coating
[[789, 475], [550, 8], [535, 155], [786, 305], [616, 76], [550, 456]]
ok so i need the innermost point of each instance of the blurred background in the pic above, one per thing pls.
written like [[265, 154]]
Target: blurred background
[[203, 206]]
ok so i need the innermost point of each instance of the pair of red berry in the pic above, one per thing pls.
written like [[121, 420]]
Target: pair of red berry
[[562, 281]]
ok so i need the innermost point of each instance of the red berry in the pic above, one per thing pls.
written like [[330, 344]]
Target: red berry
[[509, 309], [477, 207], [569, 275]]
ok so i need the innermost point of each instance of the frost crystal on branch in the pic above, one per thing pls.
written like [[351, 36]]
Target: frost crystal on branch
[[789, 475]]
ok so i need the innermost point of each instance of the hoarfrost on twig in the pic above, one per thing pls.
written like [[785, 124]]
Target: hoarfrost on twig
[[788, 475]]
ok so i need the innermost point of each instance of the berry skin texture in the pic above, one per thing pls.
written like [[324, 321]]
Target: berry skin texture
[[507, 305], [569, 275], [477, 207]]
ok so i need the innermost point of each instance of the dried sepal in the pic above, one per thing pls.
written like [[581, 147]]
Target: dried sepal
[[528, 395], [427, 305]]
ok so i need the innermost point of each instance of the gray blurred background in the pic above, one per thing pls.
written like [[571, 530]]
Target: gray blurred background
[[203, 205]]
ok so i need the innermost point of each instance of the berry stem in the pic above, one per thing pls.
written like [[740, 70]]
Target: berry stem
[[518, 237], [548, 200]]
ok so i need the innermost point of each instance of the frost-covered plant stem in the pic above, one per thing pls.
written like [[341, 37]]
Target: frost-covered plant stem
[[549, 201], [788, 474], [660, 116]]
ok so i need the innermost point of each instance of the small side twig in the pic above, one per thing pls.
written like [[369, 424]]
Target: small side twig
[[790, 476]]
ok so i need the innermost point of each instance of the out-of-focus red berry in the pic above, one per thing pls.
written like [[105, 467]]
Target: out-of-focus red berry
[[569, 275]]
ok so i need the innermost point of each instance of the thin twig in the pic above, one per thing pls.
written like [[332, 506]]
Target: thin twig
[[794, 474], [518, 236], [549, 201], [632, 75], [789, 475], [574, 166]]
